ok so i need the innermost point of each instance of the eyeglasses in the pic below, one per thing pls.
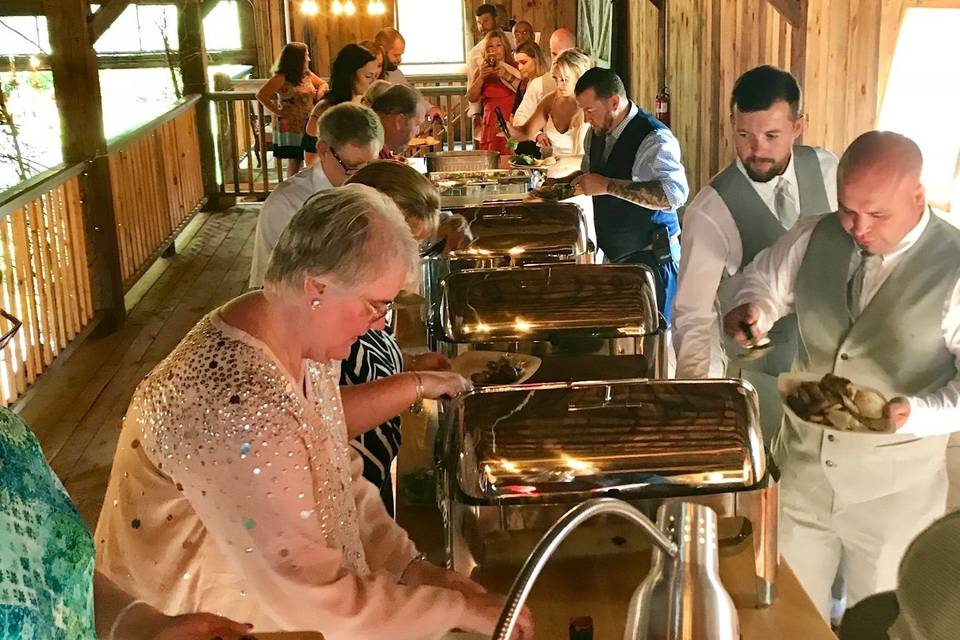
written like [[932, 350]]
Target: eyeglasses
[[347, 169], [379, 309], [12, 331]]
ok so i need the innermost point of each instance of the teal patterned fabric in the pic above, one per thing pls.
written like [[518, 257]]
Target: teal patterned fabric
[[46, 551]]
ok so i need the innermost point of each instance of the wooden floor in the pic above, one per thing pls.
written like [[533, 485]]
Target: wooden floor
[[76, 407]]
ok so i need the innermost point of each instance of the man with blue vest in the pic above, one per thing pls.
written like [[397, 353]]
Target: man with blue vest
[[631, 167], [746, 208], [875, 290]]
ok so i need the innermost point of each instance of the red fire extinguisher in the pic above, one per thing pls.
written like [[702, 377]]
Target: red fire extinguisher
[[662, 106]]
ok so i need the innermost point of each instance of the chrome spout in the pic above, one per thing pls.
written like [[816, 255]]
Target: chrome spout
[[557, 534]]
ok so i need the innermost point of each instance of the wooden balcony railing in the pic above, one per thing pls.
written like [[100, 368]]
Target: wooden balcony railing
[[155, 173], [46, 282], [45, 233], [245, 163]]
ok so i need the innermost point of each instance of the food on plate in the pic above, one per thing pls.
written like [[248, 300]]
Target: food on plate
[[427, 141], [837, 402], [556, 191], [524, 160], [504, 370]]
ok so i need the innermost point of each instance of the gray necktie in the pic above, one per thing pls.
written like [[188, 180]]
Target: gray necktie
[[784, 203], [855, 302]]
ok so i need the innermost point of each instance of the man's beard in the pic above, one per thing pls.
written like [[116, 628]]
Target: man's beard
[[604, 130], [773, 169], [389, 66]]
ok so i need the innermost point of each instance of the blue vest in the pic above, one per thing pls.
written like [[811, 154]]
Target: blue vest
[[623, 227]]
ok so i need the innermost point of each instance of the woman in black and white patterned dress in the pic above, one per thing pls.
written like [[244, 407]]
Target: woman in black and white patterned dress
[[376, 354]]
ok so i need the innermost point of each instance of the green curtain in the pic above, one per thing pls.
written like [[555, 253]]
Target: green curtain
[[595, 29]]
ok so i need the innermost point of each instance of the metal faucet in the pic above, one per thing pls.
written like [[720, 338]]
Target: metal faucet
[[680, 599]]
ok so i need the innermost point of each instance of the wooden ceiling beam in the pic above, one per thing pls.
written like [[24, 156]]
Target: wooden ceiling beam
[[207, 6], [791, 10], [105, 16], [21, 8]]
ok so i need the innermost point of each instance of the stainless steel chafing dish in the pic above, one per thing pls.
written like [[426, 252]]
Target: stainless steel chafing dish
[[514, 458], [511, 235], [469, 188], [582, 320]]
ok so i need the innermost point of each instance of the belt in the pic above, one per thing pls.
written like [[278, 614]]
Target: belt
[[674, 245]]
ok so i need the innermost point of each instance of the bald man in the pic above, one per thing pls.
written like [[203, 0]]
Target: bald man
[[875, 290], [560, 41]]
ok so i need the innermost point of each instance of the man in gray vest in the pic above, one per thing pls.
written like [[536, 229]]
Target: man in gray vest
[[746, 208], [875, 290]]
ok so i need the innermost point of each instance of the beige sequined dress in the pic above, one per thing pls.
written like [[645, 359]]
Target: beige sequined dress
[[234, 491]]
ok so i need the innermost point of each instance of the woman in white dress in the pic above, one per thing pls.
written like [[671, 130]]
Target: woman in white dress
[[558, 115]]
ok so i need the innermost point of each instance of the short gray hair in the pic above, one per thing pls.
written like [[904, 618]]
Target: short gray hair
[[349, 234], [349, 123]]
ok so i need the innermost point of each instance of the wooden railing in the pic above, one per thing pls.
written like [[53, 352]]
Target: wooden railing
[[245, 163], [243, 132], [157, 184], [45, 279]]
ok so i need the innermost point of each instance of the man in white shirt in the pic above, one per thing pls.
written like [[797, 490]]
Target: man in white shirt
[[876, 294], [394, 46], [744, 210], [560, 40], [486, 15], [349, 136]]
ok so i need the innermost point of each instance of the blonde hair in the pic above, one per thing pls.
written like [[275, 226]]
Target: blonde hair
[[350, 235], [574, 62], [507, 51], [417, 197], [533, 51]]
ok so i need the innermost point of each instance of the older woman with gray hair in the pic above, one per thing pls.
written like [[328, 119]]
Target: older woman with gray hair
[[234, 487]]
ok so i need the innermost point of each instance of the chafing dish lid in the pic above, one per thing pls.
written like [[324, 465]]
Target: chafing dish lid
[[524, 231], [538, 302], [529, 440]]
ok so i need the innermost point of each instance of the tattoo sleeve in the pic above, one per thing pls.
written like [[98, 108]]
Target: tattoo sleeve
[[646, 194]]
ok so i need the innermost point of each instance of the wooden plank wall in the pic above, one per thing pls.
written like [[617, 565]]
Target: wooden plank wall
[[712, 42], [326, 33], [270, 32]]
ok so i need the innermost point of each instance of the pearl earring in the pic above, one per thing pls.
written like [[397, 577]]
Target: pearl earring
[[315, 303]]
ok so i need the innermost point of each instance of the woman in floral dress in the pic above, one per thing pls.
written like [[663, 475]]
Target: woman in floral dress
[[290, 95]]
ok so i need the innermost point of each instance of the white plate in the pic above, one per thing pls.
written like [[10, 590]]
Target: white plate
[[788, 382], [471, 362]]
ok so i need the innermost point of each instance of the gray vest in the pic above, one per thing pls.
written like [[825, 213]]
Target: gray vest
[[759, 228], [895, 346]]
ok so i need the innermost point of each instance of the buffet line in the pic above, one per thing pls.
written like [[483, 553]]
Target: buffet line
[[572, 411]]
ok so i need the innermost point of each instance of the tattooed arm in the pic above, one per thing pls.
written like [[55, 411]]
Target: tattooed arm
[[646, 194]]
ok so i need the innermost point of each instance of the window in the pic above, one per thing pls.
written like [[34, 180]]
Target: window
[[221, 27], [23, 35], [433, 31], [922, 96], [141, 28]]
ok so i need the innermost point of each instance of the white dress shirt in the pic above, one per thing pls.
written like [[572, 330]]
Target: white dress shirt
[[277, 211], [474, 62], [658, 158], [769, 283], [536, 90], [711, 250]]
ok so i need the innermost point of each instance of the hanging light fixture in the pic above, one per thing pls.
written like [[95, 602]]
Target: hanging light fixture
[[336, 8], [349, 8], [376, 8], [309, 8]]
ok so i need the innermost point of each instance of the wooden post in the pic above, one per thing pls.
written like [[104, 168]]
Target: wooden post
[[193, 67], [77, 90]]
